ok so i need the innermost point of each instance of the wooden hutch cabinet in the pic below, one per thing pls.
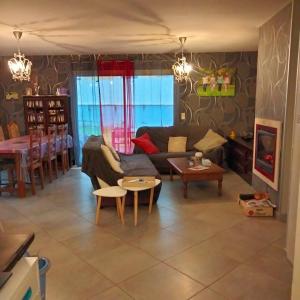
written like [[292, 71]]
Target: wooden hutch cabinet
[[43, 111], [239, 157]]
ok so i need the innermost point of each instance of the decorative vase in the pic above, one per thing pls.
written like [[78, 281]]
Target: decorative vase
[[28, 91], [232, 134], [36, 89]]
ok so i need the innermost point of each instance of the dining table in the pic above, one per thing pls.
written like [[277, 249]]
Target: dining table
[[18, 150]]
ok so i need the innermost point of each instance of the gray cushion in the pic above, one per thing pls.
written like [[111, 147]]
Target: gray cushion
[[138, 165], [160, 159], [165, 155]]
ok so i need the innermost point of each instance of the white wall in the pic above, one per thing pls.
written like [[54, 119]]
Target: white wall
[[296, 275], [293, 233], [291, 186], [293, 213]]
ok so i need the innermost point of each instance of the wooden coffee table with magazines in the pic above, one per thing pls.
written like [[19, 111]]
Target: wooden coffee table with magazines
[[181, 165]]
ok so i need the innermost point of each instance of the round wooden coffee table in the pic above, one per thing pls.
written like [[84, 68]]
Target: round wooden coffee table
[[135, 190]]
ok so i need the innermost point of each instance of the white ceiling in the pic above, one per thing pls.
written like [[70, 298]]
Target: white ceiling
[[132, 26]]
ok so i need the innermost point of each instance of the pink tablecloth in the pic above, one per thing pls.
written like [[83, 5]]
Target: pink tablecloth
[[21, 145]]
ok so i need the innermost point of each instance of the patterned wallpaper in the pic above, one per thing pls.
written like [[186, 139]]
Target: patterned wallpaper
[[272, 75], [49, 72], [225, 113]]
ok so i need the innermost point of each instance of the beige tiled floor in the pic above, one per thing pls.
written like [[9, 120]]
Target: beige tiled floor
[[199, 248]]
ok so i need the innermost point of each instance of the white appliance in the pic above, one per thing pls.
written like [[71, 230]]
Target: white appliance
[[24, 284]]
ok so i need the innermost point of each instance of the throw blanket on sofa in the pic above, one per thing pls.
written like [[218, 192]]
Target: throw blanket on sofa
[[94, 164]]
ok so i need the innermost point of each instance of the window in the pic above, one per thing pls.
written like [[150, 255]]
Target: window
[[153, 97], [153, 100], [88, 113]]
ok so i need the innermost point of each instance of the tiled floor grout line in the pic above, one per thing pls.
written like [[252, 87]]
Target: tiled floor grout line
[[241, 264], [159, 261], [107, 289], [61, 243], [138, 273], [187, 275], [82, 260], [130, 243], [164, 261], [207, 288], [128, 278], [126, 292]]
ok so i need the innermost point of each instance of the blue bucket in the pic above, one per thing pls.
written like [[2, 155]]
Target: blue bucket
[[44, 265]]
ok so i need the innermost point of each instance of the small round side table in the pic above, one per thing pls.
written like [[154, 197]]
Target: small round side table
[[135, 190], [111, 192]]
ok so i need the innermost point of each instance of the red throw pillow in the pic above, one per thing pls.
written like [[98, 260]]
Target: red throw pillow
[[145, 143]]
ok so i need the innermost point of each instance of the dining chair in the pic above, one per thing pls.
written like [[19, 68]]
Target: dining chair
[[35, 160], [9, 185], [63, 151], [1, 227], [2, 137], [6, 165], [51, 154], [42, 128], [13, 129]]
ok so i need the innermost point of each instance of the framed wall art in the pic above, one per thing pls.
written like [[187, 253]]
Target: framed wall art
[[217, 82]]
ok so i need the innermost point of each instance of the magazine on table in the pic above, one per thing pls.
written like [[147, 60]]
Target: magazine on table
[[198, 168]]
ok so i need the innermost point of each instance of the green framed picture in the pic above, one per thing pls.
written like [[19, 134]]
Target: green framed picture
[[218, 82]]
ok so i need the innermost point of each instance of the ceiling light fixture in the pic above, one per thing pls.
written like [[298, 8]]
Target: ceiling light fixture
[[19, 66], [181, 68]]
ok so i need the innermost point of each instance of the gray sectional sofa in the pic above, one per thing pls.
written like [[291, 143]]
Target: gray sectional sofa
[[160, 137], [95, 165]]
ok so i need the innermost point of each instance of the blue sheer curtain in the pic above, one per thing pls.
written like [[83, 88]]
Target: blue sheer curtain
[[85, 110], [153, 102], [153, 99], [116, 103]]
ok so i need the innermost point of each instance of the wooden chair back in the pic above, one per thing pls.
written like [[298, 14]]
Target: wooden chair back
[[63, 152], [42, 129], [2, 137], [35, 148], [13, 130], [63, 135], [51, 151]]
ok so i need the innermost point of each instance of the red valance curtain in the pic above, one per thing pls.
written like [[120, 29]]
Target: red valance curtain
[[115, 68], [116, 103]]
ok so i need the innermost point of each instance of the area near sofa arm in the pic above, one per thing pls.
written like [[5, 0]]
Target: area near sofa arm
[[216, 155]]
